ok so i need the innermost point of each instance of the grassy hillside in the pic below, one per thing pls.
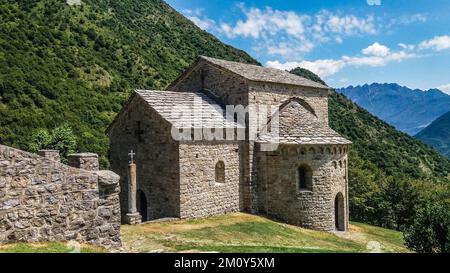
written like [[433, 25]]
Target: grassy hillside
[[250, 233], [237, 232], [437, 134], [49, 247], [77, 64]]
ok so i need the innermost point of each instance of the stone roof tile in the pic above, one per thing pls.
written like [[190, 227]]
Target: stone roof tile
[[264, 74], [187, 109], [305, 135]]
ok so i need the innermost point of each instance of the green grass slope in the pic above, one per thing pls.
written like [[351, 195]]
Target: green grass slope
[[50, 247], [77, 64], [437, 134], [241, 232]]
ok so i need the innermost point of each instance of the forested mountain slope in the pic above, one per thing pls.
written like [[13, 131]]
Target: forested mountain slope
[[437, 134], [76, 64]]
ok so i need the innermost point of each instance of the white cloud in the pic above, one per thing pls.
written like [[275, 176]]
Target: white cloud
[[378, 60], [438, 43], [268, 22], [289, 34], [375, 56], [323, 68], [364, 61], [287, 49], [376, 50], [407, 46], [197, 17], [350, 24], [445, 88], [408, 19], [203, 23]]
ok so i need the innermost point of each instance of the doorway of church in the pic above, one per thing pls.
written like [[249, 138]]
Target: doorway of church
[[339, 212], [142, 205]]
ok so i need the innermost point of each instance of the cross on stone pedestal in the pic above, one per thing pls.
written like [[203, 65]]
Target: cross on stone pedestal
[[131, 154], [132, 216], [139, 132]]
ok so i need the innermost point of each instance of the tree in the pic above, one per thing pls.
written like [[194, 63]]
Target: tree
[[398, 203], [305, 73], [60, 138], [40, 139], [430, 232]]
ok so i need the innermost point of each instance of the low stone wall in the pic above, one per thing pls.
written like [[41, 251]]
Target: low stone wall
[[42, 199]]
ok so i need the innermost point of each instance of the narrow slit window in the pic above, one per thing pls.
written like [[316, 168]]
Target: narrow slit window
[[305, 178], [220, 172]]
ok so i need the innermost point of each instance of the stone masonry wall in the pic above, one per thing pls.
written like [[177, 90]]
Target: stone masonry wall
[[157, 168], [278, 192], [228, 89], [85, 161], [44, 200], [200, 194], [276, 94]]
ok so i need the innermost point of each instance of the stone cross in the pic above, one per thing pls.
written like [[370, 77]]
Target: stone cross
[[132, 189], [139, 132], [131, 154], [133, 216]]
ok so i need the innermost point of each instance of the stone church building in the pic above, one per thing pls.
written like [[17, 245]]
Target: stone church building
[[302, 180]]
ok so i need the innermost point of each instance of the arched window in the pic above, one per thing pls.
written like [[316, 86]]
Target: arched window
[[220, 172], [305, 178]]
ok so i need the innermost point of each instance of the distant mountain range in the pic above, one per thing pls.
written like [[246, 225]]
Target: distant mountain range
[[406, 109], [437, 134]]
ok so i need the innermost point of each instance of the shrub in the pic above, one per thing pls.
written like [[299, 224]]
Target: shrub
[[60, 138], [430, 232]]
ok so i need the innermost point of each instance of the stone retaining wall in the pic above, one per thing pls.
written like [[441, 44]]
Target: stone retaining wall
[[44, 200]]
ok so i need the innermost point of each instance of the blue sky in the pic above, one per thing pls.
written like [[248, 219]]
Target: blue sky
[[346, 42]]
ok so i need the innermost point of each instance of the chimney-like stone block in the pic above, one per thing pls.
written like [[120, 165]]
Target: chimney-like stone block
[[50, 154], [85, 161], [108, 182]]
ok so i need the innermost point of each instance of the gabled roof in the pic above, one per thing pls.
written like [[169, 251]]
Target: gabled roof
[[311, 131], [306, 135], [263, 74], [187, 109]]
